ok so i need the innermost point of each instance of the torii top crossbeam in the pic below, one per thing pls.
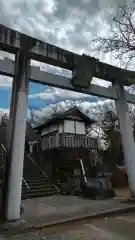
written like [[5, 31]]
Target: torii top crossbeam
[[10, 41]]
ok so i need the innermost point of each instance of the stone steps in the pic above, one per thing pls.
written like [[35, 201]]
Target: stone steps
[[39, 185]]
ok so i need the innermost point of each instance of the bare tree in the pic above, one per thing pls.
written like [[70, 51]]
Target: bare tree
[[121, 40], [96, 131]]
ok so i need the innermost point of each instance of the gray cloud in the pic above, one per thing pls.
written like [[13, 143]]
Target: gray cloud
[[63, 22], [66, 23]]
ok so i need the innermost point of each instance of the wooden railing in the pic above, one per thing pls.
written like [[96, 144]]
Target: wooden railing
[[68, 141], [77, 141]]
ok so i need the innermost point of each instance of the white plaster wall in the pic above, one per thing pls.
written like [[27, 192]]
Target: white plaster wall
[[49, 129], [69, 126], [31, 148], [80, 128], [61, 127]]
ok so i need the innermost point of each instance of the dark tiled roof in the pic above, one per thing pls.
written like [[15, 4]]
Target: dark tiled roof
[[62, 115]]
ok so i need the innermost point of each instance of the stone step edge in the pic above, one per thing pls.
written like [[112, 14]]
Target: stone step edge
[[22, 226]]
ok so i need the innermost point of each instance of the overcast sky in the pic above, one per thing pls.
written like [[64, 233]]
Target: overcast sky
[[69, 24]]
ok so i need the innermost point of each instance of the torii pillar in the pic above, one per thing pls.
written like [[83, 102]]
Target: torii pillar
[[17, 126], [126, 131]]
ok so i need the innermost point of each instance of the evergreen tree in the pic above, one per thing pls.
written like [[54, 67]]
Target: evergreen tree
[[112, 138]]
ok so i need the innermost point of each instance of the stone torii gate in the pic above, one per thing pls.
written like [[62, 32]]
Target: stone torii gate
[[83, 69]]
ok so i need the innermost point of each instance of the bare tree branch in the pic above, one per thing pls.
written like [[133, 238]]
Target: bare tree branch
[[121, 40]]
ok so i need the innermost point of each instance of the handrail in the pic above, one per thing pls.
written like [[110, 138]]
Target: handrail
[[83, 170], [22, 177], [25, 183], [43, 173], [3, 147]]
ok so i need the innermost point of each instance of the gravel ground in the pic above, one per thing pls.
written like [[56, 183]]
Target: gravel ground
[[83, 233], [113, 228]]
